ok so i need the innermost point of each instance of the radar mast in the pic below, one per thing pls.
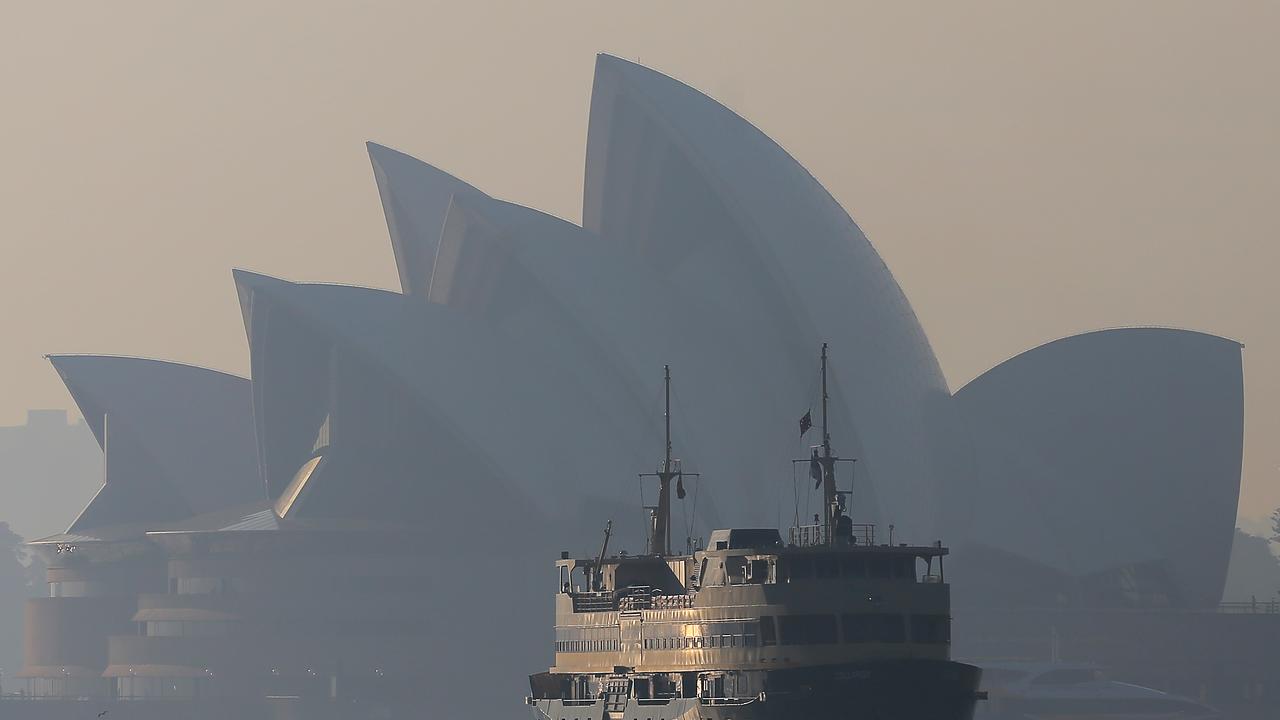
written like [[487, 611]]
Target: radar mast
[[830, 500], [670, 469]]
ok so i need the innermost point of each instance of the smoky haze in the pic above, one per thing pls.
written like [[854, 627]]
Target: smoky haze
[[375, 517], [1027, 171]]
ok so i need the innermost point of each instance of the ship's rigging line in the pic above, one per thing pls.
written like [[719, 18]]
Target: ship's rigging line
[[811, 394], [814, 395], [795, 490], [688, 519]]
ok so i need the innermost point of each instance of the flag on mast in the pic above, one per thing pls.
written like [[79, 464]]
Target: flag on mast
[[806, 422], [815, 469]]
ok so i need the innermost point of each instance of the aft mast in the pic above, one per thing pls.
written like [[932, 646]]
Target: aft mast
[[830, 499], [822, 466]]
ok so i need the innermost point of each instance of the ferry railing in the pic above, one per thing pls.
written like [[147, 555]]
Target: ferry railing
[[1250, 607], [639, 597], [593, 601], [816, 535], [654, 601], [807, 536], [864, 534], [636, 598], [734, 701]]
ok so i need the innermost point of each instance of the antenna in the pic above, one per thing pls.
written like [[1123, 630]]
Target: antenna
[[597, 573], [826, 432]]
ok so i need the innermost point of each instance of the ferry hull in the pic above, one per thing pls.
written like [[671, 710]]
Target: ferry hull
[[880, 690]]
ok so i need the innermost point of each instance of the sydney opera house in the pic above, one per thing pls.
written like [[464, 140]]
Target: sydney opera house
[[367, 522]]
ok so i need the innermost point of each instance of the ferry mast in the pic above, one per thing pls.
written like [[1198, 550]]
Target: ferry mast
[[660, 527], [822, 467], [830, 500]]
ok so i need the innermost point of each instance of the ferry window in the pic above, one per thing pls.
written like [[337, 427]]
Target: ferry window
[[758, 572], [713, 686], [808, 629], [799, 569], [874, 627], [924, 569], [736, 570], [880, 567], [932, 629], [853, 566], [904, 568], [825, 566], [755, 539], [768, 636]]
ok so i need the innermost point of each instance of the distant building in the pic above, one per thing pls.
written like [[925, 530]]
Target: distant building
[[47, 467]]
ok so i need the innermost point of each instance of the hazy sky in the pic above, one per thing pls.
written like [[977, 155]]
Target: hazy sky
[[1027, 169]]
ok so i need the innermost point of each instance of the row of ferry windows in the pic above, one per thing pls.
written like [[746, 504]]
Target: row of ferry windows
[[702, 641], [855, 628], [851, 565], [742, 570], [782, 630], [569, 646]]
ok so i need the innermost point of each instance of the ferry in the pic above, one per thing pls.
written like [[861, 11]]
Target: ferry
[[830, 623]]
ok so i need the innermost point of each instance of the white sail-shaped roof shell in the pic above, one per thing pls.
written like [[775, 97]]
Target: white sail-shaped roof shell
[[415, 197], [177, 439], [539, 281], [1110, 449], [702, 196], [512, 414], [549, 288]]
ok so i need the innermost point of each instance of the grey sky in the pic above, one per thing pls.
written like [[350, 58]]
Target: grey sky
[[1028, 170]]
